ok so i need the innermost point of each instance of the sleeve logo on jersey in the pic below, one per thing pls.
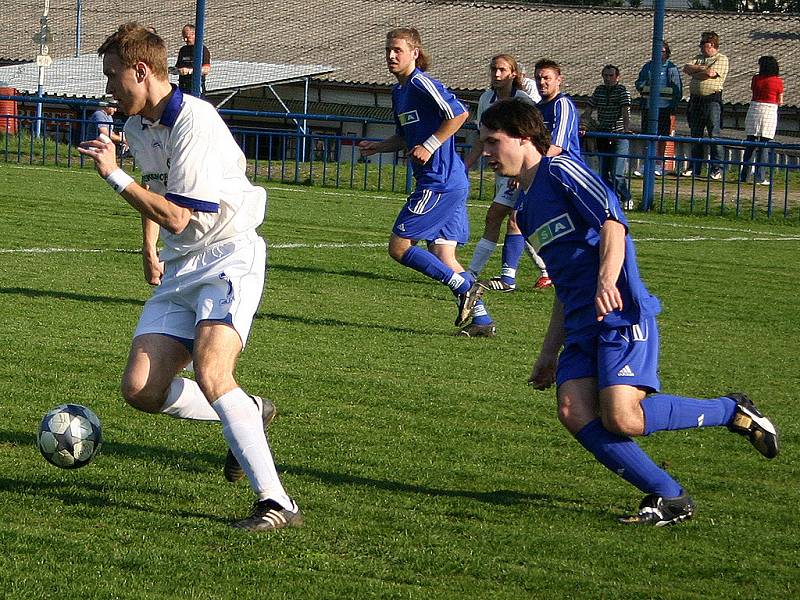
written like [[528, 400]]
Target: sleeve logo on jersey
[[553, 229], [407, 118]]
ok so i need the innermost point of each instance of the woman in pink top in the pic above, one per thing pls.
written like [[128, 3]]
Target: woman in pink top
[[762, 116]]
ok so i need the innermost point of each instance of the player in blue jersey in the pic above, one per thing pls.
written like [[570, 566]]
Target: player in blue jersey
[[558, 112], [603, 318], [427, 116], [209, 272]]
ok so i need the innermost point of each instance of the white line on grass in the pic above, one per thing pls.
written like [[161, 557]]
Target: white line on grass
[[298, 245]]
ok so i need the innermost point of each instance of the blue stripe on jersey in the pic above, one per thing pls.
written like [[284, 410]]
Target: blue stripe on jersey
[[580, 175], [194, 204]]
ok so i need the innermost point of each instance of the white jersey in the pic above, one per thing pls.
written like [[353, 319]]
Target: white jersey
[[489, 97], [503, 195], [190, 157]]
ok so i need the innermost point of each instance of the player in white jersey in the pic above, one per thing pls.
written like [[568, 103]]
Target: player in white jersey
[[210, 272], [506, 83]]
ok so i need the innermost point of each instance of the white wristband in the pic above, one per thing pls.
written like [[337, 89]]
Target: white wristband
[[119, 180], [431, 144]]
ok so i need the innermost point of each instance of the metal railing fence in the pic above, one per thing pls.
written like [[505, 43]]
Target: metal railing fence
[[283, 152]]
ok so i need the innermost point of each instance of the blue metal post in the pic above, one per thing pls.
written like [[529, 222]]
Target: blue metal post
[[656, 83], [199, 35]]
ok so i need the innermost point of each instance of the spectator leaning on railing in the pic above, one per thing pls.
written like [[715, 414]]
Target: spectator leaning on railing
[[762, 115]]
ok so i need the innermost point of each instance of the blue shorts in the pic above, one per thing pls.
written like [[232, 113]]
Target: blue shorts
[[621, 356], [429, 216]]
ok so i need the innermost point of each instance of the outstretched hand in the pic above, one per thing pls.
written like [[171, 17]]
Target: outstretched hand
[[103, 152]]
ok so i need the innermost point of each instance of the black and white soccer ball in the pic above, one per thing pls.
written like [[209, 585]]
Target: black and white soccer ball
[[69, 436]]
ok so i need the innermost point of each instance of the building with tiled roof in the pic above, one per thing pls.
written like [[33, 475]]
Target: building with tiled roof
[[460, 36]]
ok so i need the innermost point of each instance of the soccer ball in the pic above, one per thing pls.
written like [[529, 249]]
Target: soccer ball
[[69, 436]]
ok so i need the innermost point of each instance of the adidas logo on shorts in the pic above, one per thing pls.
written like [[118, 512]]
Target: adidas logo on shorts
[[626, 371]]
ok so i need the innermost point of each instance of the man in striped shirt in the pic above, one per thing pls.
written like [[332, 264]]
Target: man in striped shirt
[[613, 103]]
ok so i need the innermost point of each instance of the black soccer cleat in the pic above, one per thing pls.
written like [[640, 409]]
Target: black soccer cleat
[[233, 471], [466, 302], [660, 512], [496, 284], [268, 515], [757, 428]]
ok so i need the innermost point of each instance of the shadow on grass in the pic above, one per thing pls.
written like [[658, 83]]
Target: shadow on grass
[[339, 323], [499, 497], [61, 295], [97, 494]]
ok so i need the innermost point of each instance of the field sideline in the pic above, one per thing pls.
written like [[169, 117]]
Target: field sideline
[[424, 464]]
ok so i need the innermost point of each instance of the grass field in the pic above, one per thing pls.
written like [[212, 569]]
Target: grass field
[[425, 466]]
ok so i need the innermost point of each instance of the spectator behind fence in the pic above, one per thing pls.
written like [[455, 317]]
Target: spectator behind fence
[[184, 66], [102, 122], [669, 96], [762, 116], [613, 103], [708, 71]]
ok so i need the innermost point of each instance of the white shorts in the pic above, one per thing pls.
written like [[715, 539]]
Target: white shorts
[[224, 283], [503, 195], [761, 120]]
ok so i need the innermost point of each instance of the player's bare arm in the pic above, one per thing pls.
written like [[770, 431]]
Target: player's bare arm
[[390, 144], [447, 129], [153, 206], [153, 267], [474, 154], [612, 255], [543, 374]]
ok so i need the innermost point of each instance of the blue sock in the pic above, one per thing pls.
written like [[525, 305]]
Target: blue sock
[[623, 456], [663, 412], [427, 264], [480, 316], [513, 246]]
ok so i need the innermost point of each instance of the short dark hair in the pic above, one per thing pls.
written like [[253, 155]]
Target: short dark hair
[[546, 63], [615, 68], [767, 65], [711, 37], [519, 120], [666, 48]]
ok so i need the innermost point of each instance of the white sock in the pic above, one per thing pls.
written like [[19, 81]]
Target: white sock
[[536, 258], [244, 431], [483, 251], [186, 401], [509, 272], [456, 281]]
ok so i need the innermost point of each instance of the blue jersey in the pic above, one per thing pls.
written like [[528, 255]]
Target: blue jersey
[[561, 120], [561, 215], [420, 106]]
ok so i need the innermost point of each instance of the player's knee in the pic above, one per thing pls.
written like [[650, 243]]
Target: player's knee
[[397, 253], [623, 423], [572, 420], [140, 397]]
